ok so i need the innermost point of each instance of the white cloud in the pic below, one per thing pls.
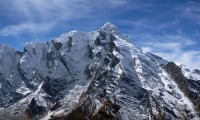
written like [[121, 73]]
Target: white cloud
[[190, 57], [152, 25], [62, 9], [49, 10], [15, 30], [43, 15], [146, 49], [143, 23], [172, 48], [115, 2]]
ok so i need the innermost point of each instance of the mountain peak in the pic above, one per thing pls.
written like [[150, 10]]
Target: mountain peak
[[109, 27]]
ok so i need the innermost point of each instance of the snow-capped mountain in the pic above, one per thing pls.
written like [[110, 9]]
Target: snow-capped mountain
[[97, 75]]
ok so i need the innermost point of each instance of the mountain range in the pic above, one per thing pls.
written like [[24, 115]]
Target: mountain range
[[98, 75]]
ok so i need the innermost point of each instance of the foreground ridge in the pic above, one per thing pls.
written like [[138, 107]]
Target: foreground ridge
[[98, 75]]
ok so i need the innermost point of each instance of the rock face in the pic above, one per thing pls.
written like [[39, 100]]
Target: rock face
[[98, 75]]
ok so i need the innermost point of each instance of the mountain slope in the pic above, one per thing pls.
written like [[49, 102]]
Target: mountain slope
[[98, 75]]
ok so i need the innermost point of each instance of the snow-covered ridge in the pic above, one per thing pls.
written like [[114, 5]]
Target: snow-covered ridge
[[190, 73], [89, 75]]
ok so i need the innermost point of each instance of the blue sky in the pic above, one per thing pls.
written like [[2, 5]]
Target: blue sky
[[169, 28]]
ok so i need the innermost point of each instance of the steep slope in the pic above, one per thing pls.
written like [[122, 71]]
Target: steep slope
[[98, 75]]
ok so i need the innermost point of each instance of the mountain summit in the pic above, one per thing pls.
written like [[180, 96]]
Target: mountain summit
[[97, 75]]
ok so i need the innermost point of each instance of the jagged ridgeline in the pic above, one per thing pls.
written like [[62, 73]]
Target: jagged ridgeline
[[99, 75]]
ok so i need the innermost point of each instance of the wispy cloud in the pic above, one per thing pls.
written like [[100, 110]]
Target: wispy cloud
[[172, 48], [190, 10], [15, 30], [51, 9], [42, 14], [62, 9], [114, 3], [150, 25]]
